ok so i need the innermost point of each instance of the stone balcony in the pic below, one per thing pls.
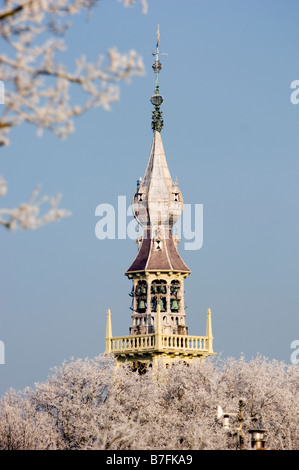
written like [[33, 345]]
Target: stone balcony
[[195, 345], [159, 343]]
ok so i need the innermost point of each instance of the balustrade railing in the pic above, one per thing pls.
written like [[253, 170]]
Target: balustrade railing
[[132, 343], [185, 342], [137, 343]]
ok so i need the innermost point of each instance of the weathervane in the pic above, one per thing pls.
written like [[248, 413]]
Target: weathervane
[[157, 99]]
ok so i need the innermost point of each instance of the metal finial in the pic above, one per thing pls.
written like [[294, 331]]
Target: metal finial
[[157, 99], [158, 40], [157, 66]]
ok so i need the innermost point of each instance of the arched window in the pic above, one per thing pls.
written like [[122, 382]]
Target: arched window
[[158, 294], [175, 288], [141, 296]]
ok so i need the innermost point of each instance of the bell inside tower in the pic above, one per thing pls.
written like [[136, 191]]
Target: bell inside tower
[[158, 295], [166, 293]]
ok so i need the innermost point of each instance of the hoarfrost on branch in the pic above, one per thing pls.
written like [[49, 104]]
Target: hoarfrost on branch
[[38, 88], [94, 404], [28, 215]]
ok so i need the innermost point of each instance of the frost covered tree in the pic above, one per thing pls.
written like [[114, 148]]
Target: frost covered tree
[[94, 404], [37, 88], [21, 427]]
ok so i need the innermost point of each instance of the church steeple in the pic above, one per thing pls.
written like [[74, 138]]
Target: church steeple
[[158, 272], [157, 206], [158, 267], [157, 202]]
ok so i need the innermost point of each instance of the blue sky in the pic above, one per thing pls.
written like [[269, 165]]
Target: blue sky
[[231, 136]]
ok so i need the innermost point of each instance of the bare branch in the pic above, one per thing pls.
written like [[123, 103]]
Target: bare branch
[[27, 215], [37, 87]]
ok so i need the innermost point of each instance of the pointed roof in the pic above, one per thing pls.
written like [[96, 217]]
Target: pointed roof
[[157, 202], [150, 259], [157, 205], [157, 176]]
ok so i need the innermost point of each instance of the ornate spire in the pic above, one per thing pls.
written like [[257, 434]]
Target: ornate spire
[[158, 330], [157, 205], [157, 99]]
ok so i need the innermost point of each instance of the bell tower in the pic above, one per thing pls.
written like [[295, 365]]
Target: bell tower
[[158, 273]]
